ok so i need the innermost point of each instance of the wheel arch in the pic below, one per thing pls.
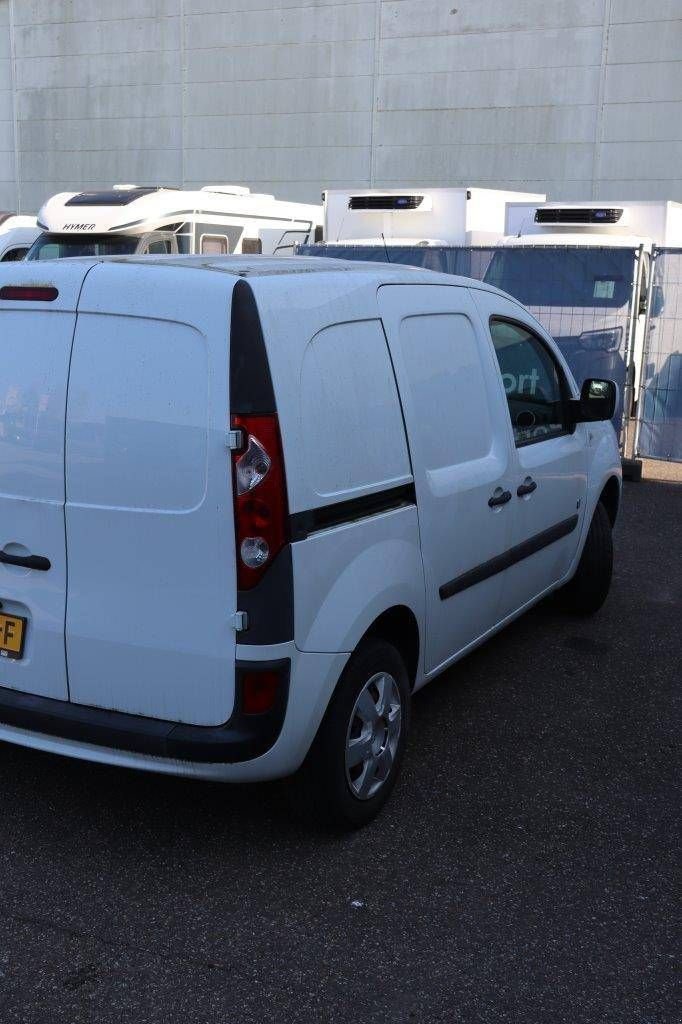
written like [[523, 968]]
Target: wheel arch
[[398, 626], [610, 498]]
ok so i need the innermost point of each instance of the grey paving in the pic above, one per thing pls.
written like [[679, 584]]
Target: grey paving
[[522, 873]]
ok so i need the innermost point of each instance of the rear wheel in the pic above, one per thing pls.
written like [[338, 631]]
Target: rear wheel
[[589, 588], [355, 759]]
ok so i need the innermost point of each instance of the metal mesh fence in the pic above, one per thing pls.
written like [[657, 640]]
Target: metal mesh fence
[[581, 295], [660, 398]]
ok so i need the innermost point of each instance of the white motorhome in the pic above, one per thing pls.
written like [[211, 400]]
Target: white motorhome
[[132, 219], [587, 308], [17, 235], [414, 216]]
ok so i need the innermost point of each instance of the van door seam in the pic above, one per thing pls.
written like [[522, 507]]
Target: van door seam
[[66, 416]]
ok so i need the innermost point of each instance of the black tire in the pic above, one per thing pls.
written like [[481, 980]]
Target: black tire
[[322, 790], [589, 588]]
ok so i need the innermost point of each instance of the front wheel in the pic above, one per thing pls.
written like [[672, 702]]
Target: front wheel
[[589, 588], [355, 759]]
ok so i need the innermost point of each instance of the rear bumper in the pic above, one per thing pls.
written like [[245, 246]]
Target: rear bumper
[[242, 738], [313, 677]]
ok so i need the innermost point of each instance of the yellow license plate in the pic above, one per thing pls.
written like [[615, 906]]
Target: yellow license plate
[[12, 630]]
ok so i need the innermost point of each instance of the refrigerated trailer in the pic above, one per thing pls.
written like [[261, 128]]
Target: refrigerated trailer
[[424, 217], [629, 222], [132, 219]]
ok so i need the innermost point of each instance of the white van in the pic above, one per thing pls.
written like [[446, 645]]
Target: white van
[[249, 506]]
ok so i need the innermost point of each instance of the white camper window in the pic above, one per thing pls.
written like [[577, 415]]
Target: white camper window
[[216, 239], [214, 245]]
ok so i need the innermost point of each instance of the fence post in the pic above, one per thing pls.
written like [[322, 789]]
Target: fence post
[[632, 467], [645, 357]]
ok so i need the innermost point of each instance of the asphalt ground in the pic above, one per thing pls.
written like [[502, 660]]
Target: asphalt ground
[[522, 872]]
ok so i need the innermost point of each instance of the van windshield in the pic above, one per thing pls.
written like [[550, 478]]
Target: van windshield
[[543, 276], [57, 247]]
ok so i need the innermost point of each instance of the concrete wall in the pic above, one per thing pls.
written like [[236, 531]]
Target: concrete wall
[[578, 98]]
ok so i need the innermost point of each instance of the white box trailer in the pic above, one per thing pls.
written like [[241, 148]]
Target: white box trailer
[[417, 216], [132, 219]]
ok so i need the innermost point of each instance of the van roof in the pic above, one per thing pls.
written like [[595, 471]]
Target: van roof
[[267, 266]]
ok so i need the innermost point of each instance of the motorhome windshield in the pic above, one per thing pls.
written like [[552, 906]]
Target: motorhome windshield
[[57, 247], [542, 276]]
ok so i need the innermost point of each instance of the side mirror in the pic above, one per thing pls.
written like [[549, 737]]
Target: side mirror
[[601, 341], [597, 401]]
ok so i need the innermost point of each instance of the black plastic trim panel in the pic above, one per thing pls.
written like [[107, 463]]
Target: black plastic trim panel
[[303, 524], [251, 391], [508, 558], [270, 605], [241, 738]]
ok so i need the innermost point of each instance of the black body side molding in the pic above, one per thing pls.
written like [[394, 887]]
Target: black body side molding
[[508, 558], [303, 524]]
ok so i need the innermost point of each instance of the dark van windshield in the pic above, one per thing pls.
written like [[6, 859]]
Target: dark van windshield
[[57, 247], [543, 276]]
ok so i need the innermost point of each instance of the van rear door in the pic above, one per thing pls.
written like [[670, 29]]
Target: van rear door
[[149, 515], [36, 332]]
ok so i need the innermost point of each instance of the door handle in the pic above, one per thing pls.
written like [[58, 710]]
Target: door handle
[[499, 499], [26, 561], [527, 487]]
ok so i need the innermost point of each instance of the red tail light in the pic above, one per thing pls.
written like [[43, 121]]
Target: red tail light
[[29, 293], [260, 502], [260, 691]]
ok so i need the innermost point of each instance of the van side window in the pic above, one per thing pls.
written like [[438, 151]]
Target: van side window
[[533, 383]]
